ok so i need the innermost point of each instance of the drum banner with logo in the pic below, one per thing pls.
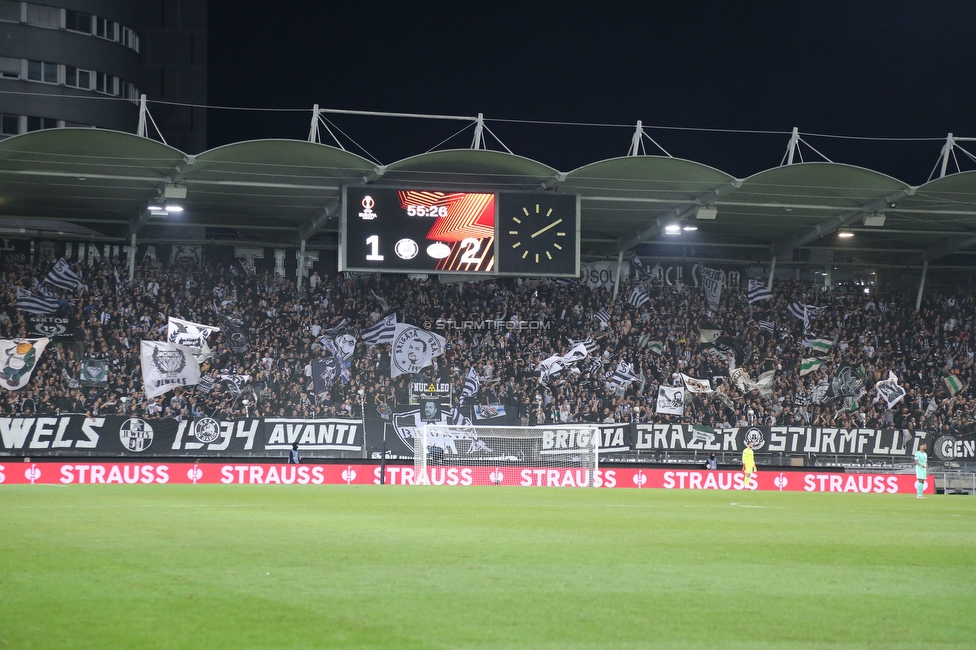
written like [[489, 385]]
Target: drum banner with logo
[[229, 473], [78, 435]]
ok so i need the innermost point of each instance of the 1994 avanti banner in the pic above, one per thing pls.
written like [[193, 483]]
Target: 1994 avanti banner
[[115, 436], [57, 473]]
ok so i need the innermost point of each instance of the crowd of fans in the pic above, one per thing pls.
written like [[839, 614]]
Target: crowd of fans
[[876, 333]]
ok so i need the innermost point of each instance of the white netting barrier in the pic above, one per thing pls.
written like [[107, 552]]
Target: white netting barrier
[[559, 455]]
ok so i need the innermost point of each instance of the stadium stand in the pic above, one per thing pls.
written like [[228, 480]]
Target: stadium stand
[[657, 342]]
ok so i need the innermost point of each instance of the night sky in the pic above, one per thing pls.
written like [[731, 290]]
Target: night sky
[[869, 69]]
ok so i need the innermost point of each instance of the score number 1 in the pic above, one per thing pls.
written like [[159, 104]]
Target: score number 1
[[373, 242]]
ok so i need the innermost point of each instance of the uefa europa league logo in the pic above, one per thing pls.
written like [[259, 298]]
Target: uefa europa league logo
[[496, 476], [640, 478], [194, 474], [349, 475], [32, 473]]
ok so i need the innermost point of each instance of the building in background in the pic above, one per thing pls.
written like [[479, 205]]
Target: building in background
[[86, 62]]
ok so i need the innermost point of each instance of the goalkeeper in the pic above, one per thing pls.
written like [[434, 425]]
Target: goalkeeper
[[748, 463], [921, 469]]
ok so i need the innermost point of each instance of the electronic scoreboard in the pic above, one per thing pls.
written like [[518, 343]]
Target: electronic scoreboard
[[486, 233]]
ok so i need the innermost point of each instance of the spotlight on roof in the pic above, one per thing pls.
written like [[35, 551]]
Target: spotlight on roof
[[173, 207], [672, 229], [874, 219], [845, 234], [706, 212], [690, 228]]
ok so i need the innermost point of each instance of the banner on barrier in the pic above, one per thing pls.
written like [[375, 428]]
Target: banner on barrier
[[122, 436], [68, 435], [339, 474]]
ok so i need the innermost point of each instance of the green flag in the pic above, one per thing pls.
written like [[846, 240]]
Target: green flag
[[94, 372], [809, 365], [954, 384]]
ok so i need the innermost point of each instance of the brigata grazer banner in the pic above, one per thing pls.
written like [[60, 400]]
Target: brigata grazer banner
[[124, 473]]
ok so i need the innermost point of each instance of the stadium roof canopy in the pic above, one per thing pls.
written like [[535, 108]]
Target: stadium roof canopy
[[99, 185]]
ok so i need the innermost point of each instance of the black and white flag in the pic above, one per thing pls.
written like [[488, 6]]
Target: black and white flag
[[758, 291], [380, 332], [166, 366], [413, 348], [804, 312], [32, 303], [768, 326], [711, 280], [325, 372], [191, 335], [638, 297], [603, 315], [623, 375], [62, 276], [670, 401], [588, 343], [235, 333], [639, 271], [471, 385], [889, 390]]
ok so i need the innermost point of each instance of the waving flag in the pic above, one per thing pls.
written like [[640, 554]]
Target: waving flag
[[18, 358], [471, 385], [380, 332], [413, 348], [638, 297], [758, 291], [62, 276], [889, 390], [191, 335], [166, 366], [32, 303]]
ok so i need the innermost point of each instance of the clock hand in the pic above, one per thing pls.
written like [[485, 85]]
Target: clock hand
[[552, 225]]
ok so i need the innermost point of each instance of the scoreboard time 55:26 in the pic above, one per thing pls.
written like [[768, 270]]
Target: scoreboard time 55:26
[[495, 233]]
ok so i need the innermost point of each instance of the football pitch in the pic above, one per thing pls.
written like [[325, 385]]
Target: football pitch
[[173, 566]]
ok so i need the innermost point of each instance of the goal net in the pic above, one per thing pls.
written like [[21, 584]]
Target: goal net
[[559, 455]]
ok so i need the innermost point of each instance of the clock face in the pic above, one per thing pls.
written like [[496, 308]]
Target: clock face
[[538, 234]]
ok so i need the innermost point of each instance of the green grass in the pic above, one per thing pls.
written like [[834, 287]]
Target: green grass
[[409, 567]]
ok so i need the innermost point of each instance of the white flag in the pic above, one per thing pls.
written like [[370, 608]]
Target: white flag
[[693, 385], [18, 358], [191, 335], [413, 348], [711, 280], [671, 400], [889, 390], [166, 366]]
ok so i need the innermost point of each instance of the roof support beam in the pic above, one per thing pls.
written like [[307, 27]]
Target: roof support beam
[[654, 228], [783, 248], [314, 223], [947, 247]]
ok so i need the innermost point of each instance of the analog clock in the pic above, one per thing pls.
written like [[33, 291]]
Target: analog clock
[[538, 234]]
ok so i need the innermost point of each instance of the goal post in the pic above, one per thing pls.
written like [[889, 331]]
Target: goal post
[[559, 455]]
